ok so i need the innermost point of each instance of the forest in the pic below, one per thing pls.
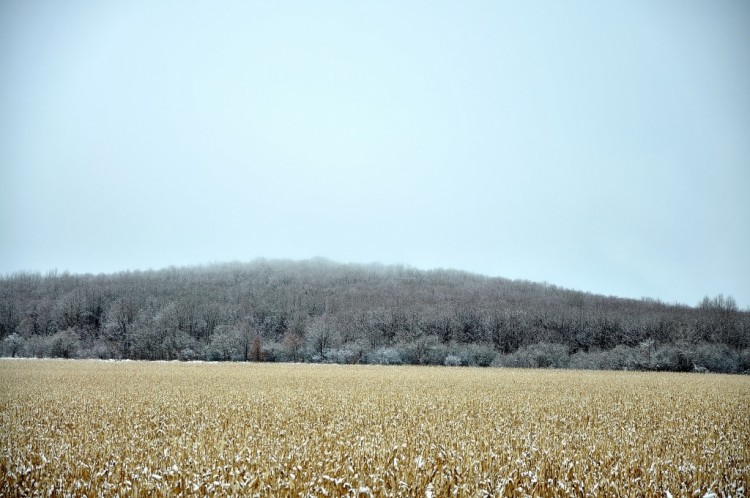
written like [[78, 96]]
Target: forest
[[321, 311]]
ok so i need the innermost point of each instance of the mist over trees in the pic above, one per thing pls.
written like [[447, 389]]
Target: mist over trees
[[320, 311]]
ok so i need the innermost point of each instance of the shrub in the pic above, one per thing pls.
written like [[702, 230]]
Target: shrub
[[541, 355], [716, 358], [453, 360], [743, 361], [427, 350], [64, 344], [670, 357], [344, 355], [13, 345], [275, 352], [101, 349], [477, 355], [587, 360], [384, 356], [225, 345], [620, 357]]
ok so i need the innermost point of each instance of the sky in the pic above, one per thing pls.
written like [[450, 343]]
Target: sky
[[599, 146]]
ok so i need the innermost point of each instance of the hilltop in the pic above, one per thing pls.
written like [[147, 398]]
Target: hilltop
[[317, 310]]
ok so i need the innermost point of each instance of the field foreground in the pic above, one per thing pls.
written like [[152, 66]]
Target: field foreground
[[77, 428]]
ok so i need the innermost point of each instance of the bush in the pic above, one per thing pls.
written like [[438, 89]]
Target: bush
[[621, 357], [453, 360], [183, 346], [275, 352], [146, 343], [587, 360], [716, 358], [541, 355], [188, 354], [36, 347], [101, 349], [477, 355], [384, 356], [743, 361], [344, 355], [670, 357], [64, 344], [427, 350], [13, 345], [225, 345]]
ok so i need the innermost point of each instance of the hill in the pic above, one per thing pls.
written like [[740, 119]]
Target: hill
[[317, 310]]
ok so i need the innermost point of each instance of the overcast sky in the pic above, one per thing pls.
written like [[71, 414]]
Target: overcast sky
[[601, 146]]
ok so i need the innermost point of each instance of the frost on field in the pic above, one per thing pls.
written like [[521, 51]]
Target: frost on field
[[164, 429]]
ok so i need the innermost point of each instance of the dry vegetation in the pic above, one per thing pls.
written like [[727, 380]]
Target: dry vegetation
[[76, 428]]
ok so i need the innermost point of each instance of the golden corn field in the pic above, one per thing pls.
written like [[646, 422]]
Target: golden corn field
[[91, 428]]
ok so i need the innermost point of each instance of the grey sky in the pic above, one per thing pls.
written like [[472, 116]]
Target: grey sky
[[603, 146]]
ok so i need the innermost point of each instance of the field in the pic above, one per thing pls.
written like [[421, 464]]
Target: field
[[90, 428]]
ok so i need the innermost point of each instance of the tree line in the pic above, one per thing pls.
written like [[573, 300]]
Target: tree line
[[320, 311]]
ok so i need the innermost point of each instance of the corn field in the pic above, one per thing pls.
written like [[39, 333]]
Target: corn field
[[93, 428]]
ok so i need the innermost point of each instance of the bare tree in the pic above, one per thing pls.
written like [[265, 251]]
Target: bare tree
[[119, 319], [320, 336]]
